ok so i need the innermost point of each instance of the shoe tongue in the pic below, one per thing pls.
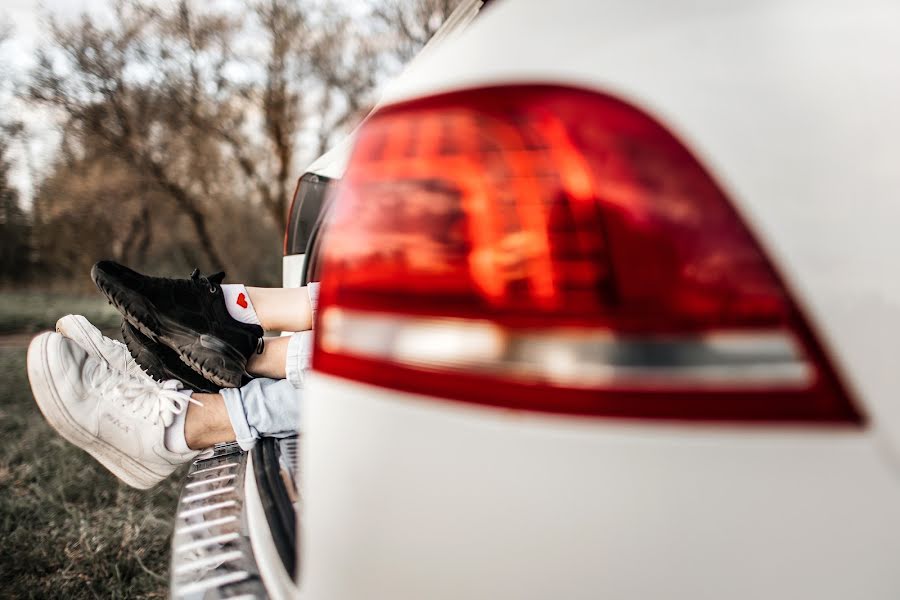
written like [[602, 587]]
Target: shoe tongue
[[172, 384], [215, 278]]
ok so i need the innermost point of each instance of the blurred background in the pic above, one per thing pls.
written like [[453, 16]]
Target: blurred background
[[169, 135], [165, 135]]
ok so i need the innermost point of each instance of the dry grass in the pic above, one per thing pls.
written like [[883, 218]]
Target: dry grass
[[68, 528], [35, 310]]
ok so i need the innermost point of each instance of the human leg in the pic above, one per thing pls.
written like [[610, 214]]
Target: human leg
[[127, 421], [271, 361], [195, 319], [208, 420], [282, 309], [261, 408], [207, 423]]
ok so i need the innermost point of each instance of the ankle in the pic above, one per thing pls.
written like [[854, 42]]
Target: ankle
[[238, 303], [207, 424], [271, 362]]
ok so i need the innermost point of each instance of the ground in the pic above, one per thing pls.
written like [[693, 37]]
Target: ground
[[35, 311], [69, 529]]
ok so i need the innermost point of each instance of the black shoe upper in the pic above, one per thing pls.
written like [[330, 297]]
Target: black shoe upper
[[161, 362], [196, 304]]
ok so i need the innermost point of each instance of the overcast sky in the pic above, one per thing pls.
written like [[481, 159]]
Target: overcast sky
[[25, 16]]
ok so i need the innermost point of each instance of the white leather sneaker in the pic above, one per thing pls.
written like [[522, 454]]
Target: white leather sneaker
[[118, 418], [81, 331]]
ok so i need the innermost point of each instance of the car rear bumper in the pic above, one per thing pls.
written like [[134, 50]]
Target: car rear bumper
[[421, 498], [212, 555], [235, 525]]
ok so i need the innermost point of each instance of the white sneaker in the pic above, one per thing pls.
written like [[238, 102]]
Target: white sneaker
[[119, 419], [113, 352]]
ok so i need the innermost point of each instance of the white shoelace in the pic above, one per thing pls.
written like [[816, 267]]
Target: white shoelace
[[150, 401]]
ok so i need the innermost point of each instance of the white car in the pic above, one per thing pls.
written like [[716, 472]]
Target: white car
[[610, 307]]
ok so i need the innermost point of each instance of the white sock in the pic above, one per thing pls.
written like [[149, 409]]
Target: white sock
[[173, 438], [237, 302]]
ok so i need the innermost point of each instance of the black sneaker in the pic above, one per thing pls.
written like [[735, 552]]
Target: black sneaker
[[161, 362], [187, 315]]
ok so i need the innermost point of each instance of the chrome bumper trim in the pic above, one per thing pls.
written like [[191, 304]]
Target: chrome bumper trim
[[211, 553]]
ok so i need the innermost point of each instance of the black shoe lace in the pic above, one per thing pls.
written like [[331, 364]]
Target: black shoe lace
[[208, 281]]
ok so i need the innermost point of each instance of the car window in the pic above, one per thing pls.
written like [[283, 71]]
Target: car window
[[312, 266], [305, 209]]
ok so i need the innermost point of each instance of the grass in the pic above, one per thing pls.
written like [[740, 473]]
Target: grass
[[30, 311], [68, 528]]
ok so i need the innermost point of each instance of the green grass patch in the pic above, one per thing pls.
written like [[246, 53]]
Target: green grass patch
[[69, 528], [29, 311]]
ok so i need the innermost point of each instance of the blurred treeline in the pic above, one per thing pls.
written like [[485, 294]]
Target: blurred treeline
[[184, 126]]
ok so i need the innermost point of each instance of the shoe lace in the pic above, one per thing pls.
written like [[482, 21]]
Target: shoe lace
[[151, 402], [209, 281]]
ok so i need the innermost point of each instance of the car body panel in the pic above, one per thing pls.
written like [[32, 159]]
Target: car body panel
[[292, 270], [410, 497]]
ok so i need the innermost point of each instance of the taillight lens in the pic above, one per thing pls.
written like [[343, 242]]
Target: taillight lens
[[554, 249]]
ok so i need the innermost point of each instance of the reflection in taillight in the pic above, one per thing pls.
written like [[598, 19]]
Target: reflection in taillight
[[553, 249]]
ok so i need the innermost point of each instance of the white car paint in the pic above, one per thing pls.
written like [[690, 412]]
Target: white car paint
[[408, 497], [792, 107], [292, 270]]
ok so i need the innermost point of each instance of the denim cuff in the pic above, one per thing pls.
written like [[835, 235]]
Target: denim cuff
[[299, 357], [245, 435]]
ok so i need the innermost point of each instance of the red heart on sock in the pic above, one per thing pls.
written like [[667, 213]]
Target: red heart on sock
[[242, 300]]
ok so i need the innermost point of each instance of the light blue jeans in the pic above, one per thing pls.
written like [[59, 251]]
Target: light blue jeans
[[271, 407]]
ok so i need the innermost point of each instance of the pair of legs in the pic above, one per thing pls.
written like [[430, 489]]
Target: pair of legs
[[278, 309], [146, 406]]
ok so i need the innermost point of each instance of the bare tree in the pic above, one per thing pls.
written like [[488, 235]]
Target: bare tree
[[411, 23], [137, 121], [179, 117], [352, 58], [154, 91], [266, 159], [15, 228], [347, 67]]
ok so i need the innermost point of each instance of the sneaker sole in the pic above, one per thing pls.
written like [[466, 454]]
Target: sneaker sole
[[54, 410], [150, 361], [209, 355]]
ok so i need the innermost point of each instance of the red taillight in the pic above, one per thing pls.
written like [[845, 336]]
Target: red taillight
[[558, 250]]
